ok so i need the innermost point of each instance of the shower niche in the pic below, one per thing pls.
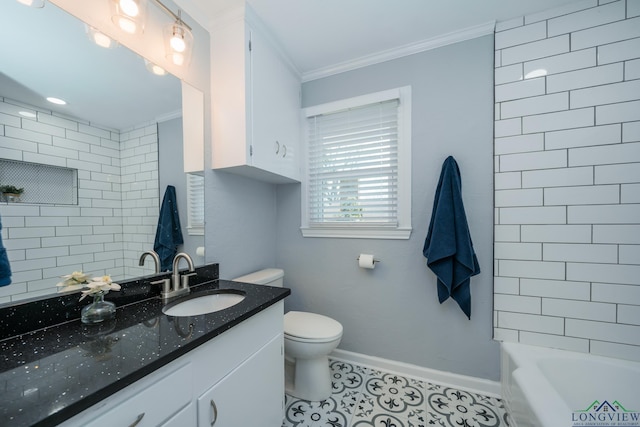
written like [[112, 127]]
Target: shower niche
[[40, 184]]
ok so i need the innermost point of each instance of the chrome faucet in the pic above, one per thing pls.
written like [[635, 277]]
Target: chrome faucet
[[182, 282], [152, 254], [177, 284]]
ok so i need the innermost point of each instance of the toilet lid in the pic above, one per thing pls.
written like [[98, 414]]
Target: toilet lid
[[311, 326]]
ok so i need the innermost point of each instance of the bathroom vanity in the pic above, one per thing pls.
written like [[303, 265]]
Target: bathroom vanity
[[146, 368]]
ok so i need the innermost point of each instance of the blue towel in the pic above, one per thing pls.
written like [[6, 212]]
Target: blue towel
[[5, 268], [168, 233], [448, 247]]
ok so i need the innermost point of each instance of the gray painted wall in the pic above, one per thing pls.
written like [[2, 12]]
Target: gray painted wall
[[393, 311], [240, 215], [170, 167]]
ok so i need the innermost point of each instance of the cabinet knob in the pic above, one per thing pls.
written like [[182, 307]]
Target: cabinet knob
[[137, 421], [215, 412], [285, 151], [277, 147]]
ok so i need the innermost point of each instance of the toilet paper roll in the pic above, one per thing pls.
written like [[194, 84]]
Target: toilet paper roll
[[200, 251], [366, 261]]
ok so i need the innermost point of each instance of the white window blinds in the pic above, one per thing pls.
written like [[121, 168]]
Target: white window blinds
[[352, 166], [195, 204]]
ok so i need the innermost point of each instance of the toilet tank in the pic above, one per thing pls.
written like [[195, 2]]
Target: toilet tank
[[268, 276]]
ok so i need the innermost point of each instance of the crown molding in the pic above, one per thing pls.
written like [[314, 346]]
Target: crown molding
[[409, 49], [169, 116]]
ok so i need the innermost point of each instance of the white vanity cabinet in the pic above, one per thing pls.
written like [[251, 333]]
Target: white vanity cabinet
[[241, 371], [247, 396], [255, 102]]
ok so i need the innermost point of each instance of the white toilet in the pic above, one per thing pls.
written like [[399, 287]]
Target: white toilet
[[308, 340]]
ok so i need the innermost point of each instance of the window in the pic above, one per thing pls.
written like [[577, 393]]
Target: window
[[195, 204], [358, 167]]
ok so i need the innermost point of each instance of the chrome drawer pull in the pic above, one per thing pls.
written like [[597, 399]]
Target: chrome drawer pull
[[137, 421], [215, 412]]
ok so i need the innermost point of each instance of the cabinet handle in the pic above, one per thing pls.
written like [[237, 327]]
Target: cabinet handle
[[215, 412], [137, 421], [277, 147], [285, 151]]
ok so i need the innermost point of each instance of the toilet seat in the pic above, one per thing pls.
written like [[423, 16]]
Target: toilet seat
[[311, 327]]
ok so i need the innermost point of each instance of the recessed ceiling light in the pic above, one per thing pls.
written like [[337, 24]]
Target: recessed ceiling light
[[58, 101], [28, 114]]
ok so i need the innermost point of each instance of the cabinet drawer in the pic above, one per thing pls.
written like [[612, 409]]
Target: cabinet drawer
[[152, 405]]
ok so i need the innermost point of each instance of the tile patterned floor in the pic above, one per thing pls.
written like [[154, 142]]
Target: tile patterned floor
[[364, 397]]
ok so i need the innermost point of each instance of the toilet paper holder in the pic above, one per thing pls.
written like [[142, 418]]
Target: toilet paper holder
[[374, 260]]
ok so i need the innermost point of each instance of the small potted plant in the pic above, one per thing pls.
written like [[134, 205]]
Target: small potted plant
[[11, 193]]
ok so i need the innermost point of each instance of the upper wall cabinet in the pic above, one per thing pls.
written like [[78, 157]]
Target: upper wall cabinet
[[255, 103]]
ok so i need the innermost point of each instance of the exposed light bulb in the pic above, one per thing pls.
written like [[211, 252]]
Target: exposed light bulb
[[129, 15], [177, 42], [130, 7]]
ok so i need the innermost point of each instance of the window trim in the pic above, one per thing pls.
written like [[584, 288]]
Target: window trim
[[403, 229]]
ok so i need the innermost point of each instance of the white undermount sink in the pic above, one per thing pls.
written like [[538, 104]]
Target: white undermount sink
[[209, 302]]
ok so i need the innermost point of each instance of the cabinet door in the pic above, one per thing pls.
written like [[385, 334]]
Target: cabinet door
[[275, 101], [251, 395]]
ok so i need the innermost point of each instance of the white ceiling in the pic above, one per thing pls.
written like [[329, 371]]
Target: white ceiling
[[45, 51], [320, 34]]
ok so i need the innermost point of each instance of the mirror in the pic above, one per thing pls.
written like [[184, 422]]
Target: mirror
[[94, 171]]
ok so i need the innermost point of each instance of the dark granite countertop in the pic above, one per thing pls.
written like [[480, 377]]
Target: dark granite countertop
[[53, 367]]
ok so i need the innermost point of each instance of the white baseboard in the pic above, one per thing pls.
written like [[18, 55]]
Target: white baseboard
[[463, 382]]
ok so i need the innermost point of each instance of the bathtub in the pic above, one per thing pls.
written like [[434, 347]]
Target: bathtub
[[544, 387]]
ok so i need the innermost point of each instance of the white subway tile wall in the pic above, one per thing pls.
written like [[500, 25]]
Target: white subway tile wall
[[567, 178], [118, 201]]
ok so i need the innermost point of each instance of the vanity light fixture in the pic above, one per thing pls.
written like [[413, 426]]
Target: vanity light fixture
[[32, 3], [100, 38], [178, 42], [129, 15]]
